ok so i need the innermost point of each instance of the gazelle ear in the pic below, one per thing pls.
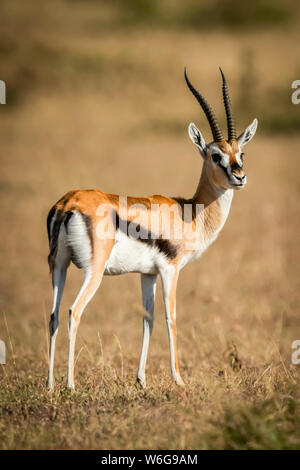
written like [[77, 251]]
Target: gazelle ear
[[247, 135], [197, 138]]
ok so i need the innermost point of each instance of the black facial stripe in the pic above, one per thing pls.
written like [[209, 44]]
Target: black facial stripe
[[223, 168], [236, 166]]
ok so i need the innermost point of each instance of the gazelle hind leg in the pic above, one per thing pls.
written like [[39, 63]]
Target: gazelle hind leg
[[93, 274], [169, 283], [148, 282], [58, 280], [62, 262]]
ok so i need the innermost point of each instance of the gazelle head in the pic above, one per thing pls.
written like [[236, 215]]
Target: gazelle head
[[223, 158]]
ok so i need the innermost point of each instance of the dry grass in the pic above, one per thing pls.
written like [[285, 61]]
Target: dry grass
[[113, 115]]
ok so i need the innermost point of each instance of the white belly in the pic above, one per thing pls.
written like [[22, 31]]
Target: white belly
[[129, 256]]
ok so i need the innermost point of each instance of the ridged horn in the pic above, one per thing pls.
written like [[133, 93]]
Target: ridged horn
[[215, 128], [227, 103]]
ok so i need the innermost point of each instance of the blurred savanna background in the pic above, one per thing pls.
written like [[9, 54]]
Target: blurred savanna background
[[96, 99]]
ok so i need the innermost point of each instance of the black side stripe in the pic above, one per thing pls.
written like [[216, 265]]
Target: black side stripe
[[144, 236]]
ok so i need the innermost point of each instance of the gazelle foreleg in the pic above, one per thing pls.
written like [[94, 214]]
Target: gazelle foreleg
[[169, 283], [148, 283]]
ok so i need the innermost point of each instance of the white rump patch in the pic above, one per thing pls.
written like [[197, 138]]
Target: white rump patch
[[79, 241]]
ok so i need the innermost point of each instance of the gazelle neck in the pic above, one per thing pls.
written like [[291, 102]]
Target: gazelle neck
[[216, 200]]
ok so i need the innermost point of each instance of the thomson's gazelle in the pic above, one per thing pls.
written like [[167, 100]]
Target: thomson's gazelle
[[105, 234]]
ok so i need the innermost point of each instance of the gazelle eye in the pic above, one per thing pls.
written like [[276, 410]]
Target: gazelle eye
[[216, 157]]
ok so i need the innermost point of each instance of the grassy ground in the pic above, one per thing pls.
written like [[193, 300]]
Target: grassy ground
[[93, 106]]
